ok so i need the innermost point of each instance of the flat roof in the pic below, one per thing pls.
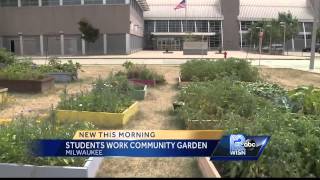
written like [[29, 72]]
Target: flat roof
[[143, 4], [256, 10], [196, 10]]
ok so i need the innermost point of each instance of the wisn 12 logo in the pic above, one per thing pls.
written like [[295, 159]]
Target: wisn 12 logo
[[238, 147]]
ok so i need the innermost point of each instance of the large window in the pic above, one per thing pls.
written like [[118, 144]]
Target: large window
[[175, 26], [93, 1], [115, 1], [215, 26], [245, 25], [162, 26], [8, 3], [308, 26], [29, 3], [50, 3], [71, 2], [188, 26], [202, 26], [214, 41], [245, 40], [148, 27]]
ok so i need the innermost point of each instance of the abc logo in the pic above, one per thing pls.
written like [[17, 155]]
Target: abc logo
[[249, 144]]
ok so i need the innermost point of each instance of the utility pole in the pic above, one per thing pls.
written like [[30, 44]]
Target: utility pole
[[315, 7], [313, 44]]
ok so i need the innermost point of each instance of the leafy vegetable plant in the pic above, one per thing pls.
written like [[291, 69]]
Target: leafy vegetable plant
[[23, 70], [305, 99], [204, 70], [55, 65], [17, 135], [111, 95], [135, 71]]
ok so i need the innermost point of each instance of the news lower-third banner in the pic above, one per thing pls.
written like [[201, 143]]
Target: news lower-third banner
[[158, 143]]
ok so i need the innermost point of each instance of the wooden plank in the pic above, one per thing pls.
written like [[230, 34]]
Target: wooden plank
[[207, 168]]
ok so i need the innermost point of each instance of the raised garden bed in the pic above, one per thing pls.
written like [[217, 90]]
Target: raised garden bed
[[143, 82], [139, 94], [89, 170], [5, 121], [62, 77], [61, 72], [3, 95], [28, 86], [207, 168], [102, 119]]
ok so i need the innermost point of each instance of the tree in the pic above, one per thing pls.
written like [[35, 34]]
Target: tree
[[291, 24], [253, 35], [273, 32], [90, 34]]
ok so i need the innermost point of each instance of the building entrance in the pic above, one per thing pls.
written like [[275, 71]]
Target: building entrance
[[171, 44]]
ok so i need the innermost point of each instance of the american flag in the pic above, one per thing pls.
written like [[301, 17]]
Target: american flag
[[181, 5]]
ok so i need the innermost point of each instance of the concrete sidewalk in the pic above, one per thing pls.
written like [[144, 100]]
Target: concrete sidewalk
[[293, 60], [179, 55]]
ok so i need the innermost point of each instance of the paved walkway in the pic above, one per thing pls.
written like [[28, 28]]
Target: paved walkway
[[179, 55], [154, 115], [295, 60]]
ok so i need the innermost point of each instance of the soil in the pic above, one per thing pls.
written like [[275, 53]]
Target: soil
[[32, 104], [290, 78], [154, 114]]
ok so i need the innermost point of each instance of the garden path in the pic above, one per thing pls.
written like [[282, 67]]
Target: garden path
[[154, 115]]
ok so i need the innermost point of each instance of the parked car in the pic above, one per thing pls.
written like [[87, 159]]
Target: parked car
[[308, 49], [275, 49]]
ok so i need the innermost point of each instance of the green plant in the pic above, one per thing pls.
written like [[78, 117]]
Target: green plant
[[55, 65], [111, 95], [6, 57], [204, 70], [292, 151], [215, 100], [273, 92], [90, 34], [273, 30], [17, 135], [135, 71], [128, 64], [23, 70], [305, 100]]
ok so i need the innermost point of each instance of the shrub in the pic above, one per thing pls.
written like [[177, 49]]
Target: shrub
[[24, 70], [135, 71], [111, 95], [204, 70], [17, 135], [7, 58]]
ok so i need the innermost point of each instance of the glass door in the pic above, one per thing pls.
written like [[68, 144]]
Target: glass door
[[171, 44]]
